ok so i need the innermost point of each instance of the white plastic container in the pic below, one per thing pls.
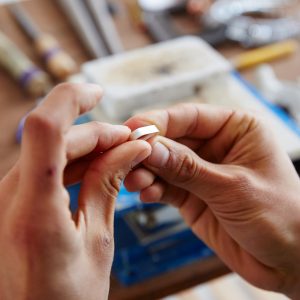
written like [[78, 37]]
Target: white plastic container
[[162, 72]]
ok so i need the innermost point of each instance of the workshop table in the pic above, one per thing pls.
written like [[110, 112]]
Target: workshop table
[[14, 104]]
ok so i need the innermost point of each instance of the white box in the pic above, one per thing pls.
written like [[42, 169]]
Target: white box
[[163, 72]]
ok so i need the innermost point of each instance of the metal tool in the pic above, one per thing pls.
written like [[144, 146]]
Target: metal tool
[[58, 62], [81, 20], [250, 32], [227, 20], [161, 5], [31, 78], [223, 11], [157, 18], [103, 20], [283, 93], [160, 26], [95, 25]]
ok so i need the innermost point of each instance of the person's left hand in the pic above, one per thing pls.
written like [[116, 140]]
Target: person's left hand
[[46, 253]]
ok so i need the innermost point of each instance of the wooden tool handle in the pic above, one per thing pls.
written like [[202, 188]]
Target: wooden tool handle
[[265, 54], [58, 62], [32, 79]]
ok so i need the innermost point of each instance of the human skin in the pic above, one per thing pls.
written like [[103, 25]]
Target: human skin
[[234, 186], [46, 252], [197, 7]]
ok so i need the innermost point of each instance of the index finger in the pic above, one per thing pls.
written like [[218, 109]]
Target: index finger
[[184, 120], [43, 155]]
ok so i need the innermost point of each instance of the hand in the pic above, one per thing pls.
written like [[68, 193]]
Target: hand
[[234, 185], [197, 7], [46, 253]]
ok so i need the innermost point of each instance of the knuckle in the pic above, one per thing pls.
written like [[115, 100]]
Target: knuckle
[[110, 183], [70, 91], [238, 178], [103, 240], [38, 122], [106, 240], [261, 122], [184, 166], [101, 135], [97, 124], [103, 247], [73, 93], [240, 181], [113, 184], [251, 120], [98, 128], [66, 87]]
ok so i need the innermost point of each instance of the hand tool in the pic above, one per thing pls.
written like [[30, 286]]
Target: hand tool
[[31, 78], [58, 62]]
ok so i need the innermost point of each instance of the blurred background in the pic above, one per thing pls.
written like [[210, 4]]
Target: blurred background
[[150, 54]]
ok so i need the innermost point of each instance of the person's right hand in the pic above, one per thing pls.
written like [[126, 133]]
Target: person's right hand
[[234, 185], [197, 7]]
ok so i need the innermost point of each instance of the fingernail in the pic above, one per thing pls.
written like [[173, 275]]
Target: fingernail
[[142, 156], [159, 156]]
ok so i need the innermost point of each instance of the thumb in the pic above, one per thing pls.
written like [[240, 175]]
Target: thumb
[[180, 166], [101, 185]]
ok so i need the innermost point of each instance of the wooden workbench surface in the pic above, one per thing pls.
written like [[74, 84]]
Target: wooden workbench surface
[[14, 104]]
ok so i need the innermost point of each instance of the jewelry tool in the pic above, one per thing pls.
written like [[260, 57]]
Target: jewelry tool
[[81, 20], [21, 68], [58, 62], [99, 11]]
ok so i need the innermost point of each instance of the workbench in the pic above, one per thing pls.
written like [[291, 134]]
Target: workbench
[[14, 104]]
